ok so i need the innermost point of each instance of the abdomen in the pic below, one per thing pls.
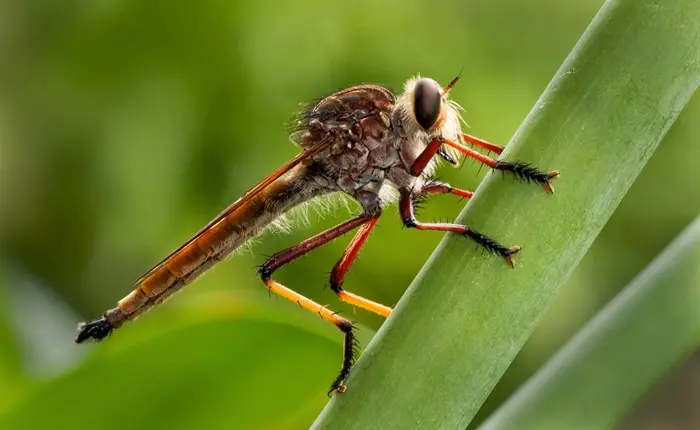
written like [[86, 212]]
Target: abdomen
[[214, 243]]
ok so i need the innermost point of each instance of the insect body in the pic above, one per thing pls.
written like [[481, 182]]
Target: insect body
[[363, 141]]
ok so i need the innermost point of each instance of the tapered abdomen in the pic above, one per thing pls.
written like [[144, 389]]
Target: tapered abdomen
[[234, 227]]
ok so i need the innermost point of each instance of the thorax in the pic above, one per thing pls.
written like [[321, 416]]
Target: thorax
[[369, 144]]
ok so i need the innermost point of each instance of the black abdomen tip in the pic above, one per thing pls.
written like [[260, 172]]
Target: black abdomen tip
[[97, 330]]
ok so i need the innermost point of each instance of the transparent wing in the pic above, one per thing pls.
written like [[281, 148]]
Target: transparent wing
[[240, 202]]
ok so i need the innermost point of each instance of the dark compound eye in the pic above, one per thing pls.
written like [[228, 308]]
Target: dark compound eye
[[426, 102]]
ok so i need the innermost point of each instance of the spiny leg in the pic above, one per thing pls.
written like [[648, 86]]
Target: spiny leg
[[482, 143], [437, 187], [343, 265], [343, 324], [522, 171], [498, 149], [290, 254], [406, 208]]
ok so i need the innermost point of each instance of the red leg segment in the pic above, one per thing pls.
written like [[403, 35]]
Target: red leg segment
[[523, 171], [406, 208], [292, 253], [424, 158], [281, 258], [341, 269]]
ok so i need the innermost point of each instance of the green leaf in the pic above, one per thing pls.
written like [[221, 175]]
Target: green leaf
[[645, 331], [11, 376], [222, 363], [467, 315]]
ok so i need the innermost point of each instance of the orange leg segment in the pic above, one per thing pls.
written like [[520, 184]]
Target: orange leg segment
[[482, 143], [305, 303], [290, 254], [341, 269], [437, 187]]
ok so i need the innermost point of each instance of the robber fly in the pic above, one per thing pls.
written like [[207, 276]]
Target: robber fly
[[361, 141]]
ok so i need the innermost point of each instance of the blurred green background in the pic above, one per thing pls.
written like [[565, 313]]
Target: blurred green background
[[126, 125]]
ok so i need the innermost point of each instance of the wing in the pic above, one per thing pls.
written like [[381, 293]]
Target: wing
[[323, 144], [346, 108]]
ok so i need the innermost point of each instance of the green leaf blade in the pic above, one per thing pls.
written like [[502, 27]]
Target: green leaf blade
[[466, 316], [599, 375]]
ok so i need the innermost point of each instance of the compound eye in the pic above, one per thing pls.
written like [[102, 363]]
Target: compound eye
[[427, 101]]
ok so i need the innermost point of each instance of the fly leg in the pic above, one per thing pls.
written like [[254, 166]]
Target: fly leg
[[437, 187], [343, 265], [523, 171], [520, 170], [406, 208], [481, 143], [344, 325]]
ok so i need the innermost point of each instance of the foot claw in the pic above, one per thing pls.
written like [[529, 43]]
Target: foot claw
[[97, 330], [336, 388], [551, 175], [509, 257]]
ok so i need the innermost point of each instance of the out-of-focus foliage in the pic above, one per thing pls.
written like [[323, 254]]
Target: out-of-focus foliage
[[10, 361], [192, 366], [126, 125]]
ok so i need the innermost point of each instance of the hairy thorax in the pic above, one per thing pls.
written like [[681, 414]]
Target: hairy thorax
[[370, 149]]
